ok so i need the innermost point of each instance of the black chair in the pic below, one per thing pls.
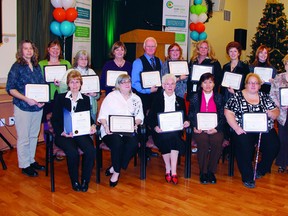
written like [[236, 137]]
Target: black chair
[[141, 153], [2, 161]]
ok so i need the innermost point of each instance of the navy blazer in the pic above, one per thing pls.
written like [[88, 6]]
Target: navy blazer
[[195, 104], [61, 102]]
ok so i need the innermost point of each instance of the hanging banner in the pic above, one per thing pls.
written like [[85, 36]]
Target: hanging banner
[[176, 19], [82, 35]]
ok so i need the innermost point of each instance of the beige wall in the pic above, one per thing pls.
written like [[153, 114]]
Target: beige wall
[[245, 14]]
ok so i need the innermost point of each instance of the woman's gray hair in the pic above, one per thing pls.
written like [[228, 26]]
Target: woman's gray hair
[[120, 79], [167, 76], [79, 54]]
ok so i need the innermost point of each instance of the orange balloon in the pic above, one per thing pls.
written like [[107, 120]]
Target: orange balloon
[[71, 14], [192, 26], [59, 14], [200, 27]]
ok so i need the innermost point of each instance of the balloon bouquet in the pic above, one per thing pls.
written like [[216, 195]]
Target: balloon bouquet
[[64, 15], [198, 17]]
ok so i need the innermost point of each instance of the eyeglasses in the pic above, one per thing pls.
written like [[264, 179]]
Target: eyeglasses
[[253, 83], [150, 46], [83, 59], [174, 50], [125, 82]]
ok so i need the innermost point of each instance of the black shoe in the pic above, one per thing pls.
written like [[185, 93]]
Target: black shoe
[[281, 169], [29, 171], [249, 184], [107, 172], [76, 186], [212, 178], [204, 178], [259, 175], [84, 186], [37, 166], [113, 184]]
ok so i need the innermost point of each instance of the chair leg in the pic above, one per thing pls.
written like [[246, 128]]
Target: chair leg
[[50, 159], [98, 162], [187, 170], [2, 161], [143, 159]]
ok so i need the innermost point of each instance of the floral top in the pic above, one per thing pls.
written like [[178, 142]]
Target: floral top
[[279, 81], [239, 105], [115, 104]]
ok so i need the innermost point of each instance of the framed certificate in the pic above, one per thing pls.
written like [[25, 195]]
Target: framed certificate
[[150, 78], [170, 121], [90, 84], [265, 73], [206, 121], [38, 92], [112, 76], [283, 95], [79, 123], [255, 122], [198, 70], [54, 72], [123, 124], [232, 80], [178, 68]]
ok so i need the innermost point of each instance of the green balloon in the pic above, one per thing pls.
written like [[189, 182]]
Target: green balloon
[[198, 9], [204, 9], [193, 9]]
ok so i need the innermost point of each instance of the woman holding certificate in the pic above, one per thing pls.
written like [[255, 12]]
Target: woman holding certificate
[[81, 64], [262, 111], [169, 143], [209, 137], [124, 143], [27, 111], [118, 63], [263, 68], [67, 105], [175, 54], [279, 94], [203, 56]]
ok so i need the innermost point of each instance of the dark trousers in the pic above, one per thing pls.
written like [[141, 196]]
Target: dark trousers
[[209, 149], [282, 157], [245, 149], [70, 147], [122, 149]]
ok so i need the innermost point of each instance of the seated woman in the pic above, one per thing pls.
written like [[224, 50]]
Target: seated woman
[[74, 101], [169, 143], [121, 101], [251, 100], [209, 143]]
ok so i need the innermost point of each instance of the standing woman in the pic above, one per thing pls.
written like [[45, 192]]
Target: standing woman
[[121, 101], [27, 111], [81, 64], [209, 143], [281, 80], [174, 54], [117, 63], [74, 101], [203, 54], [170, 144], [262, 60], [53, 57]]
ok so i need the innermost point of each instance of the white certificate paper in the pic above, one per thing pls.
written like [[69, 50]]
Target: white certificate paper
[[112, 76], [198, 70], [283, 95], [54, 72], [79, 123], [90, 84], [232, 80], [170, 121], [38, 92], [178, 68], [121, 124], [150, 78], [265, 73], [255, 122], [207, 121]]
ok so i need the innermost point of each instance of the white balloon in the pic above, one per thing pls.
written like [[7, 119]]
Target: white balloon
[[202, 17], [194, 18], [56, 3], [68, 4]]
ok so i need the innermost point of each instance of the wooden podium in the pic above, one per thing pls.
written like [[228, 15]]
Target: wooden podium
[[138, 36]]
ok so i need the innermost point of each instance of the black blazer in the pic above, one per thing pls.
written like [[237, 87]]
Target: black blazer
[[158, 107], [195, 104], [61, 102]]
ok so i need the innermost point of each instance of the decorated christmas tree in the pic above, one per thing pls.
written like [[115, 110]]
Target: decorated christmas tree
[[272, 32]]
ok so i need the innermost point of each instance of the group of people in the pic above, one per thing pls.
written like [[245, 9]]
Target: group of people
[[129, 97]]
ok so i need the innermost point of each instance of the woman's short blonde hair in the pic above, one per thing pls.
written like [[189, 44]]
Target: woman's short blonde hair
[[253, 75], [74, 74]]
